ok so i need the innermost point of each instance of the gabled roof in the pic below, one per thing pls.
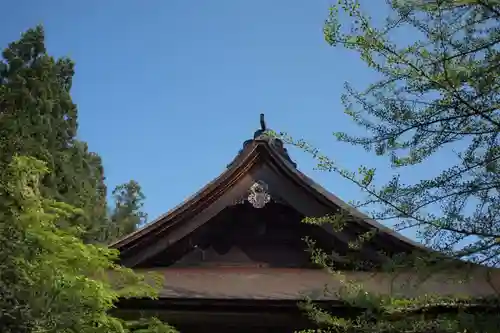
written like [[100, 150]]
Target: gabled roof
[[262, 158]]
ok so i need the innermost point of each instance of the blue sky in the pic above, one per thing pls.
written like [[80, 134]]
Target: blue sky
[[168, 90]]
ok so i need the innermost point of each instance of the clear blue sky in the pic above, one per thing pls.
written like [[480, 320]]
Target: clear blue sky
[[168, 90]]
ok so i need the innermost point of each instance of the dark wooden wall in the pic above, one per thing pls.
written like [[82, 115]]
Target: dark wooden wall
[[244, 236]]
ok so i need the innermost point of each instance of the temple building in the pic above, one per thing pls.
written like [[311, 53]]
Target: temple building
[[234, 257]]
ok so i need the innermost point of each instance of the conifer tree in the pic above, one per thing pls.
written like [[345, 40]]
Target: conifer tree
[[38, 118], [437, 90], [127, 215]]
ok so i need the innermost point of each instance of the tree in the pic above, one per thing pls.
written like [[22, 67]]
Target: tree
[[439, 92], [50, 281], [38, 118], [127, 215], [436, 92]]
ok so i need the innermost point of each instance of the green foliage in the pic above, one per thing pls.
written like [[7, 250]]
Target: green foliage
[[149, 325], [127, 215], [392, 313], [39, 119], [50, 281], [437, 91]]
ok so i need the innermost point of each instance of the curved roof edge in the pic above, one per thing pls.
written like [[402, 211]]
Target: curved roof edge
[[331, 198], [249, 155], [246, 158], [336, 202]]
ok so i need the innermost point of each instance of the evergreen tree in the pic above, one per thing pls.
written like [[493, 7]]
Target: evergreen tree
[[50, 281], [39, 119], [127, 214], [437, 92]]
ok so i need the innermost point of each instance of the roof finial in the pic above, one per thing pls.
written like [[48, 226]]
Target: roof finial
[[263, 128], [262, 136], [262, 123]]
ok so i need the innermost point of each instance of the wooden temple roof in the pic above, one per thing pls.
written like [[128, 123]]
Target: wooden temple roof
[[264, 160], [231, 283]]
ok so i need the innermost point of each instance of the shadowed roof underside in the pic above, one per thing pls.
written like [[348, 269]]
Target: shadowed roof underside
[[262, 159]]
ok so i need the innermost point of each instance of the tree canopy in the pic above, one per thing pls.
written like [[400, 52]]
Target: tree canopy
[[38, 118], [127, 214], [437, 91], [50, 281], [54, 277]]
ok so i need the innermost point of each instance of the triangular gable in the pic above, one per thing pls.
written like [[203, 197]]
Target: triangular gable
[[242, 236], [260, 160]]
